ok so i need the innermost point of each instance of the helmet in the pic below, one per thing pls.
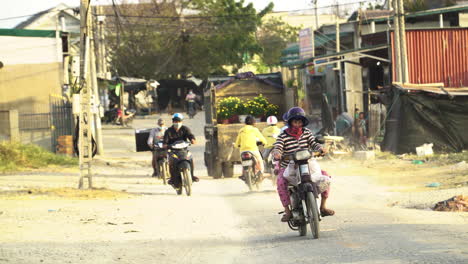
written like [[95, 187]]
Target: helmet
[[249, 120], [272, 120], [177, 117], [285, 117], [160, 121], [297, 113]]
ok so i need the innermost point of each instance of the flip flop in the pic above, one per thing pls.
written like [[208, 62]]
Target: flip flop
[[326, 212]]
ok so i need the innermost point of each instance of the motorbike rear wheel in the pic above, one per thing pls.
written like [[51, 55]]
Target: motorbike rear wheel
[[248, 179], [162, 170], [187, 181], [313, 214]]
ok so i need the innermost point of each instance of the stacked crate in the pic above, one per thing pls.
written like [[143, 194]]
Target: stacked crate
[[65, 145]]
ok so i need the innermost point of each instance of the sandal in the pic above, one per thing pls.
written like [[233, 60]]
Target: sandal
[[286, 218], [326, 212]]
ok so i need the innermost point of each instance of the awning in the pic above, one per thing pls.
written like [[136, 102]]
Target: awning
[[359, 53], [320, 41]]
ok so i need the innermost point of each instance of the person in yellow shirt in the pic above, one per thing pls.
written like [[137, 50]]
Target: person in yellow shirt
[[247, 140], [270, 133]]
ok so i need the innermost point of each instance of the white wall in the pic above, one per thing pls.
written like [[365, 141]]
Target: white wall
[[29, 50]]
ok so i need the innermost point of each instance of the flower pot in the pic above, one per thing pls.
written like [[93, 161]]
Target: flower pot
[[234, 119]]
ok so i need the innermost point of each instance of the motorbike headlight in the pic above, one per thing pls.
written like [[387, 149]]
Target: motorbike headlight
[[302, 155]]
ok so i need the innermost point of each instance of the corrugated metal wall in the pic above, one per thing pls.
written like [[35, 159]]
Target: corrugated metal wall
[[436, 56]]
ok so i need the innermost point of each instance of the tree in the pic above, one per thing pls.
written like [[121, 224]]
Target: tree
[[274, 35], [420, 5], [167, 39]]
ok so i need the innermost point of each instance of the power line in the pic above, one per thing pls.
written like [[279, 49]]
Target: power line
[[44, 12]]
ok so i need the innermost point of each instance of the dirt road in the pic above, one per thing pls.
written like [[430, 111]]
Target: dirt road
[[221, 223]]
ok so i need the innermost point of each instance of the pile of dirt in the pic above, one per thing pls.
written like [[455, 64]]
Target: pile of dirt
[[455, 204], [63, 193]]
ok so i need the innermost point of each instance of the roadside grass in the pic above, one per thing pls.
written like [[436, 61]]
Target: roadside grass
[[438, 158], [16, 156]]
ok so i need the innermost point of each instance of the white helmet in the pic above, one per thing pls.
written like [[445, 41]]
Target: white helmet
[[272, 120]]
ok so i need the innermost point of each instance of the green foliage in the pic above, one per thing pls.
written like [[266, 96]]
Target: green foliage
[[272, 110], [420, 5], [274, 35], [14, 156], [228, 107], [222, 32], [259, 107]]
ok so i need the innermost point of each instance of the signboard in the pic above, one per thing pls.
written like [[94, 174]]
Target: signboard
[[306, 43]]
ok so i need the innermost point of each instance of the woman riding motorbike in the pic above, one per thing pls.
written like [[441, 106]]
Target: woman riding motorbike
[[294, 138]]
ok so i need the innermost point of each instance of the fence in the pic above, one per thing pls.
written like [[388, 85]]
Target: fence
[[42, 128]]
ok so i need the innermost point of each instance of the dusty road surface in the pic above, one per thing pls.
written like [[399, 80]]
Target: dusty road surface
[[221, 223]]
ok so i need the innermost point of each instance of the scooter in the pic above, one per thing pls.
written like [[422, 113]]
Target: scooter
[[303, 194], [161, 161], [181, 158]]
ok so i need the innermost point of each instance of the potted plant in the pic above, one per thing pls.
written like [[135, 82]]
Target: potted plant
[[229, 108]]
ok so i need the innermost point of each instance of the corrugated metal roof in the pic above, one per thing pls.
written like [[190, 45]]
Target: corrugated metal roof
[[422, 13], [437, 56]]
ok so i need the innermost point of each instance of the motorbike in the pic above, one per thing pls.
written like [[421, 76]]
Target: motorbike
[[181, 158], [191, 111], [303, 194], [161, 161], [272, 165], [249, 170]]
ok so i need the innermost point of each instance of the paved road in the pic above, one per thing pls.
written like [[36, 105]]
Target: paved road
[[221, 223]]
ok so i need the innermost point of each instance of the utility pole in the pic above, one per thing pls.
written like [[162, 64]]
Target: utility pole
[[97, 104], [316, 14], [404, 55], [396, 41], [86, 117], [338, 49]]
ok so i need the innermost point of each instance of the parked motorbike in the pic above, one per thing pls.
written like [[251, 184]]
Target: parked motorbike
[[181, 158], [161, 161], [303, 194]]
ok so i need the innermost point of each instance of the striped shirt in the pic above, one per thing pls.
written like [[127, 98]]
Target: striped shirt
[[288, 145]]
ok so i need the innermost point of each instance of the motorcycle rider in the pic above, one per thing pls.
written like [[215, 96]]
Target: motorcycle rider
[[247, 140], [190, 98], [175, 133], [155, 137], [295, 137], [270, 133]]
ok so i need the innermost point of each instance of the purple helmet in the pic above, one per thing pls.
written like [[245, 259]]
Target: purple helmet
[[285, 117], [297, 113]]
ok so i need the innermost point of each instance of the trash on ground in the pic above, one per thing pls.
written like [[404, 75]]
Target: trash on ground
[[424, 150], [418, 162], [433, 184], [131, 231], [455, 204], [460, 166], [110, 223]]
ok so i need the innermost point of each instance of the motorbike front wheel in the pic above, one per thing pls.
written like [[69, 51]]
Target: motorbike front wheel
[[187, 181], [313, 214]]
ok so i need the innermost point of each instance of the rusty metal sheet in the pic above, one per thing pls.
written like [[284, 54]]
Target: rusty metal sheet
[[437, 55]]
